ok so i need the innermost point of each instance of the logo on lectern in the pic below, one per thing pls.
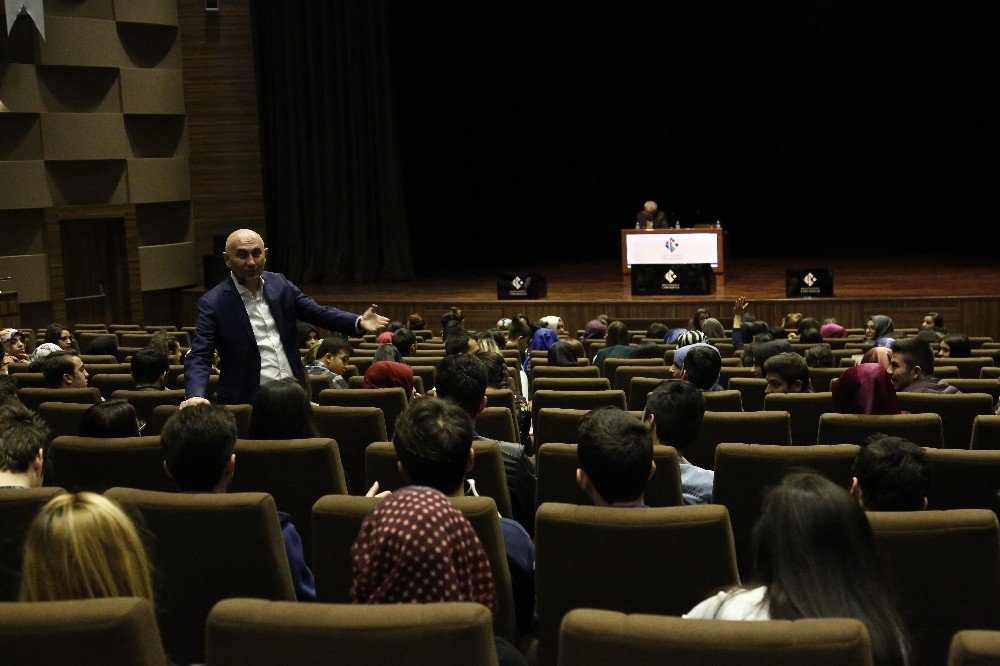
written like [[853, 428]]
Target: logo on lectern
[[670, 276], [517, 282], [672, 245]]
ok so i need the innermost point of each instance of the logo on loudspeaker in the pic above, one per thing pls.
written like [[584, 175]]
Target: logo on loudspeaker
[[810, 279], [517, 282], [670, 276], [672, 245]]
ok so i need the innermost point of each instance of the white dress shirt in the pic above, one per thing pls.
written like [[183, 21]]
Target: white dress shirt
[[273, 361]]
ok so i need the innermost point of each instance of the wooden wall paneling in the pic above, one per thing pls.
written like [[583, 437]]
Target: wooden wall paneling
[[220, 95], [19, 89], [74, 183], [159, 179], [25, 185], [152, 91], [20, 137], [76, 42], [158, 12], [79, 89], [84, 136]]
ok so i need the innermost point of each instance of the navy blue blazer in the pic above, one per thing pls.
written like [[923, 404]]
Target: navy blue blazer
[[223, 325]]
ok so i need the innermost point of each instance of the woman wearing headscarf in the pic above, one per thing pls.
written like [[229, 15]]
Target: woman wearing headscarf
[[389, 374], [833, 330], [596, 328], [880, 355], [562, 355], [881, 330], [865, 389], [543, 339], [417, 547]]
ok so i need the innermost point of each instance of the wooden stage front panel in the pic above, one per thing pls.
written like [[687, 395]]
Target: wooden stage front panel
[[967, 294]]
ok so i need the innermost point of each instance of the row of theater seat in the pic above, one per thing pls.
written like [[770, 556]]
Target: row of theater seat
[[95, 632], [944, 565]]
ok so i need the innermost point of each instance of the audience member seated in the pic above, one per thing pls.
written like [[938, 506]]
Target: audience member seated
[[786, 373], [433, 441], [758, 354], [64, 370], [656, 331], [673, 335], [596, 328], [615, 454], [487, 342], [57, 335], [791, 320], [702, 367], [387, 352], [810, 336], [820, 356], [306, 334], [745, 325], [14, 350], [281, 410], [880, 330], [680, 356], [389, 374], [690, 338], [83, 546], [332, 356], [23, 438], [933, 321], [384, 338], [8, 389], [198, 443], [405, 341], [149, 369], [415, 322], [891, 474], [394, 326], [450, 318], [815, 559], [554, 323], [112, 418], [162, 342], [462, 380], [561, 355], [647, 350], [459, 341], [497, 374], [713, 328], [955, 345], [880, 355], [831, 329], [698, 319], [865, 389], [616, 344], [674, 412], [42, 352], [104, 346], [912, 368], [417, 547]]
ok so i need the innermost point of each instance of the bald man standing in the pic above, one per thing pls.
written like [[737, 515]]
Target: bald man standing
[[249, 318]]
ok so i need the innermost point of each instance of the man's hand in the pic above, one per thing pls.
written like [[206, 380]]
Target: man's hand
[[372, 321], [373, 492], [190, 402]]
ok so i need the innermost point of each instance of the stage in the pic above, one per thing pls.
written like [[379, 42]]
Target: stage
[[965, 292]]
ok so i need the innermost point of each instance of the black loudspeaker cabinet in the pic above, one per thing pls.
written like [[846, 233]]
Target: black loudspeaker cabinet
[[809, 283], [524, 286], [672, 279]]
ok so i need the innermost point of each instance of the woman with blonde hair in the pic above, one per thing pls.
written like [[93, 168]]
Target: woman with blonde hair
[[83, 546]]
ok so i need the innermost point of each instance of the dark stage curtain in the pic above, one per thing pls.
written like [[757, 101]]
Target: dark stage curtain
[[333, 193]]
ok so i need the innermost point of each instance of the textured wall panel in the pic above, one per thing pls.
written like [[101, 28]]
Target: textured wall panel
[[159, 12], [29, 275], [24, 185], [84, 136], [19, 91], [167, 266], [159, 91], [152, 180], [78, 42]]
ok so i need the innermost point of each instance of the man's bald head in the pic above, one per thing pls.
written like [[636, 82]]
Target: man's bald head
[[246, 256], [242, 235], [650, 206]]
